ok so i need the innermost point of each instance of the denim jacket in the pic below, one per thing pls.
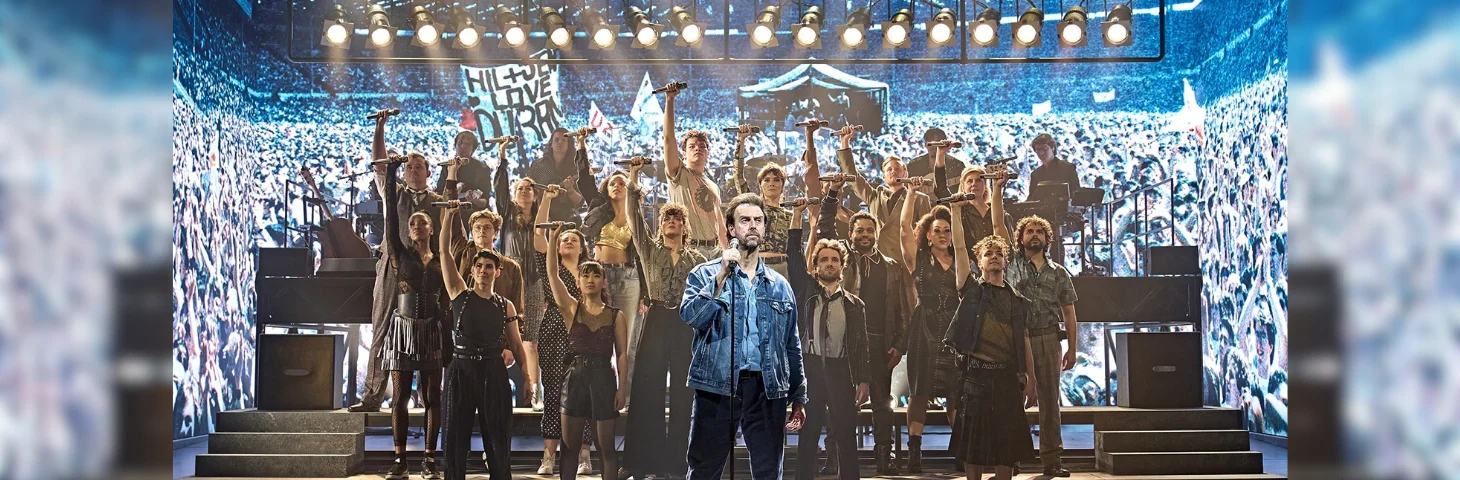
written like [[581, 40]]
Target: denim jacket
[[963, 333], [780, 343]]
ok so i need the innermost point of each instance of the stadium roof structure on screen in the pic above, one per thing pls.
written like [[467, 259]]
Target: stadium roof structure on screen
[[638, 32]]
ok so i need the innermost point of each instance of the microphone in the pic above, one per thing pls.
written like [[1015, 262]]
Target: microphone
[[945, 144], [955, 198], [753, 129], [855, 128], [813, 122], [1000, 161], [797, 202], [544, 186], [735, 245], [577, 134], [675, 86], [914, 181], [995, 176], [393, 159], [448, 204], [638, 158], [837, 177], [552, 225], [384, 113], [503, 139]]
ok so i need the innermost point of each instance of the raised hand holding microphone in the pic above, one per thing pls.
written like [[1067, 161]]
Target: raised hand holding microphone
[[672, 88], [845, 135]]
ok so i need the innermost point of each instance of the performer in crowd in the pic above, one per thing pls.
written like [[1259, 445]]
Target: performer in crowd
[[418, 199], [610, 231], [554, 348], [770, 185], [413, 337], [1051, 167], [988, 333], [833, 328], [885, 203], [473, 177], [518, 207], [558, 166], [484, 340], [934, 253], [1051, 293], [591, 390], [978, 215], [922, 166], [663, 343], [484, 225], [885, 286], [689, 185], [746, 347]]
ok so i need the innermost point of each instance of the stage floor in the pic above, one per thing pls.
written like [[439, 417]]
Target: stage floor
[[1076, 437]]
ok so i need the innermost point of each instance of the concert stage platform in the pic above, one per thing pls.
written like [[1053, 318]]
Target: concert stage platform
[[1208, 442]]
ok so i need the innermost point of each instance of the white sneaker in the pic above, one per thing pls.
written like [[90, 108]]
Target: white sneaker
[[547, 466], [537, 401], [585, 468]]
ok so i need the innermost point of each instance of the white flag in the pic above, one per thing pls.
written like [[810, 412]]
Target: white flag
[[1042, 108], [597, 120], [1102, 97], [646, 106]]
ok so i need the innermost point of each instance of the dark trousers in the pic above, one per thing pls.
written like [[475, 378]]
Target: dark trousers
[[831, 403], [880, 389], [478, 389], [712, 430], [664, 350]]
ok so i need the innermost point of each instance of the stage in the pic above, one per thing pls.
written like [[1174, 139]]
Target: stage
[[1100, 442]]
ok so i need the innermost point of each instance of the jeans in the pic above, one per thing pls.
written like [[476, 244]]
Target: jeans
[[623, 292], [648, 446], [716, 417]]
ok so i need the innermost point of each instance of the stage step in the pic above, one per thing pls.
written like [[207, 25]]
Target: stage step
[[299, 466], [324, 421], [286, 443], [1180, 463], [1172, 441], [1127, 419]]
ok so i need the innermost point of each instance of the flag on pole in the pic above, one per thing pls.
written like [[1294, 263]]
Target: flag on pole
[[646, 107], [597, 120]]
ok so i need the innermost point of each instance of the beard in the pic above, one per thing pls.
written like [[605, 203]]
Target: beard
[[827, 277], [864, 243], [1037, 245], [749, 244]]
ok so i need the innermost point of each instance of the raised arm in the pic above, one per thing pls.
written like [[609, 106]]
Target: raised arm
[[830, 204], [909, 233], [996, 209], [591, 196], [454, 283], [540, 243], [813, 169], [566, 303], [672, 162], [637, 224], [848, 163], [392, 217], [799, 275], [741, 183], [378, 152], [960, 250], [940, 173]]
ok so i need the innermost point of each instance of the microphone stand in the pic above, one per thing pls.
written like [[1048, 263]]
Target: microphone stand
[[734, 370]]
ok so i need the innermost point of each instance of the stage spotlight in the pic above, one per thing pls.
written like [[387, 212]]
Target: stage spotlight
[[942, 27], [559, 34], [1026, 30], [1072, 27], [691, 33], [896, 30], [853, 34], [336, 30], [514, 33], [985, 29], [763, 30], [428, 32], [601, 35], [468, 34], [646, 33], [1116, 27], [808, 33], [381, 33]]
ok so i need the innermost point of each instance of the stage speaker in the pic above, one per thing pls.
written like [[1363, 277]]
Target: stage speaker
[[1173, 261], [1158, 370], [285, 262], [300, 372]]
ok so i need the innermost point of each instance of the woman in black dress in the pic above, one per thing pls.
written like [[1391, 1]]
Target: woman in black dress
[[413, 340], [592, 389], [935, 254], [476, 379], [553, 335], [518, 208]]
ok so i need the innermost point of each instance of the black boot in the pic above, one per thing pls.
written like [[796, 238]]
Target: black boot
[[830, 467], [914, 454], [886, 464], [398, 469], [428, 468]]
